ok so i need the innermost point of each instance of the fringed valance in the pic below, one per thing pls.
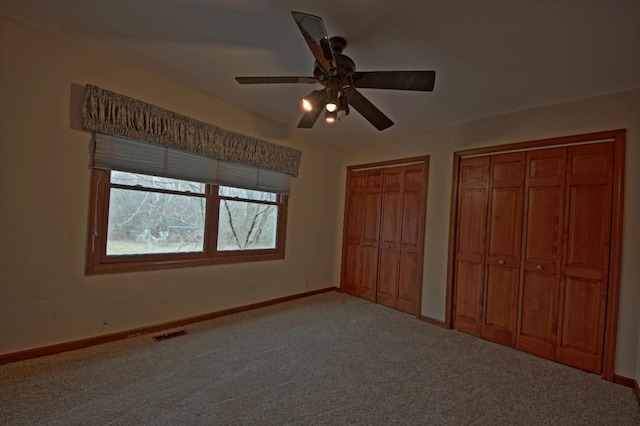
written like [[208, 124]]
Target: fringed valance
[[108, 112]]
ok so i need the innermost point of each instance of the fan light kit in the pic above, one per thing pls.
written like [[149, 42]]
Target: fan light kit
[[337, 73]]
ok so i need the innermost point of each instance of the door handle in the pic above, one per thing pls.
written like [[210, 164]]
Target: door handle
[[539, 267], [500, 262]]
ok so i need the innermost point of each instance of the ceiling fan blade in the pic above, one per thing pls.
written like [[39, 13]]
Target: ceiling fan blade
[[312, 29], [270, 80], [309, 118], [398, 80], [368, 110]]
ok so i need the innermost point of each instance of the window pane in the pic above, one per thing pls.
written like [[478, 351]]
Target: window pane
[[143, 222], [247, 226], [227, 191], [156, 182]]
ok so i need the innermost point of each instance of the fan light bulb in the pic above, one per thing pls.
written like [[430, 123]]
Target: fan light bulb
[[306, 105], [332, 99], [330, 117]]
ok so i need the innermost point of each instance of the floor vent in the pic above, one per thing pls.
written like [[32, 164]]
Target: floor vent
[[166, 336]]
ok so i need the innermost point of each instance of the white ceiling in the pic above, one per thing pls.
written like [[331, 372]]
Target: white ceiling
[[491, 57]]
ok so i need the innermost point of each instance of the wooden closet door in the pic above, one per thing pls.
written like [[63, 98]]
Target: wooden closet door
[[473, 184], [502, 265], [392, 188], [542, 242], [354, 231], [586, 249], [411, 238], [371, 235], [385, 207]]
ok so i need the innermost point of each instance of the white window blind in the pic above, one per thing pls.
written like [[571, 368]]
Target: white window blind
[[129, 155]]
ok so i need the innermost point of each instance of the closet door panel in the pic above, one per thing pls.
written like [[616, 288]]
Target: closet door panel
[[589, 219], [371, 230], [390, 235], [542, 246], [411, 228], [470, 244], [408, 276], [391, 219], [413, 201], [370, 225], [500, 302], [352, 272], [582, 323], [410, 238], [472, 225], [468, 300], [538, 303], [369, 280], [371, 235], [372, 204], [502, 265], [356, 208], [354, 229], [587, 231], [388, 277], [542, 242], [505, 225], [391, 208]]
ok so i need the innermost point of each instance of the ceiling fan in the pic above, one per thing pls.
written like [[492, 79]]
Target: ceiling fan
[[337, 73]]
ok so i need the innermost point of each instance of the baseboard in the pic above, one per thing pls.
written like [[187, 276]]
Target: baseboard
[[628, 382], [432, 321], [98, 340]]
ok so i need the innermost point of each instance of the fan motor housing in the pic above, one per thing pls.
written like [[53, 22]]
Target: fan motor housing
[[344, 68]]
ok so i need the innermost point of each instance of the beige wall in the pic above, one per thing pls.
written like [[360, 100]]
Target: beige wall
[[609, 112], [45, 297]]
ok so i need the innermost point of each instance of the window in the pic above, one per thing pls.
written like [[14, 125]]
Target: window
[[143, 222], [247, 220]]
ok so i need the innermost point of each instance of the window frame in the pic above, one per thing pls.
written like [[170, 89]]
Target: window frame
[[98, 262]]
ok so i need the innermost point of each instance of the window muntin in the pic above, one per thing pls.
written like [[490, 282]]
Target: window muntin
[[149, 222], [247, 194], [156, 182]]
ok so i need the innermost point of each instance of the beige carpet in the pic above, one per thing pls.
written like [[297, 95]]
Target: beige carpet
[[329, 359]]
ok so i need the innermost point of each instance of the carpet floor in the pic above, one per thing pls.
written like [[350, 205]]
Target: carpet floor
[[328, 359]]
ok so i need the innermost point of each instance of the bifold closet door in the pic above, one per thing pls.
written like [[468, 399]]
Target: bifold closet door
[[354, 230], [411, 238], [360, 257], [371, 235], [586, 251], [533, 248], [542, 243], [504, 239], [383, 239], [471, 235], [402, 228], [392, 186]]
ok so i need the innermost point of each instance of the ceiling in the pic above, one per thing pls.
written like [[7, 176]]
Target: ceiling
[[491, 57]]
